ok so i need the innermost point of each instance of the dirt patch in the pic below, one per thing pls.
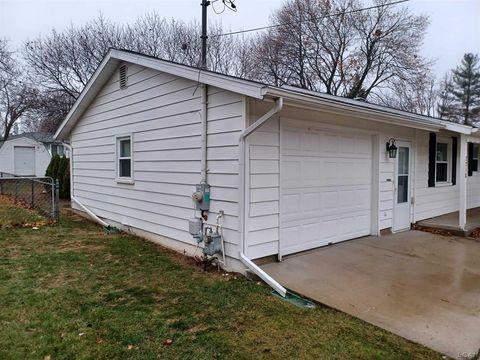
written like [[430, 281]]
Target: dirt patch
[[475, 234], [430, 230]]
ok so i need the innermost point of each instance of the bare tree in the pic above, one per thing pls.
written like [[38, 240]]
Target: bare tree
[[334, 47], [16, 96], [420, 96]]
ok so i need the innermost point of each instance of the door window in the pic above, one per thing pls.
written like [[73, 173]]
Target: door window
[[403, 167]]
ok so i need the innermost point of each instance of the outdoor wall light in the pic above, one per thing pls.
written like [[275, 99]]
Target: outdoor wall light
[[391, 148]]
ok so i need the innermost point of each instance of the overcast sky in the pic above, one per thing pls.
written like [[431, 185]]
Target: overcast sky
[[454, 29]]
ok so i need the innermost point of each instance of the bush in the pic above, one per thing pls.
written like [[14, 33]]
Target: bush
[[59, 169]]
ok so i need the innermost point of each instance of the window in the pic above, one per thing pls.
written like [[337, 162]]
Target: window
[[58, 150], [124, 158], [475, 157], [443, 161]]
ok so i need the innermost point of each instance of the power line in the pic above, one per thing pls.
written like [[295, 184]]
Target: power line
[[309, 20]]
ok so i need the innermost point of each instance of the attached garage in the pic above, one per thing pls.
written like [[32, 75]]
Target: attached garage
[[326, 186], [24, 158]]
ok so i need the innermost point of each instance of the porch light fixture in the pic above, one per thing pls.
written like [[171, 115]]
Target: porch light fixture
[[391, 148]]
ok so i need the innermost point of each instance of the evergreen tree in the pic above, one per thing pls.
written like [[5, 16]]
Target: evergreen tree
[[446, 101], [466, 89]]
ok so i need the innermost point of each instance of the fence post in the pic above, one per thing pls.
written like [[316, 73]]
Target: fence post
[[56, 200], [32, 203], [1, 183]]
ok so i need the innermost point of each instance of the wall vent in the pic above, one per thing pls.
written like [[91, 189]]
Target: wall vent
[[123, 76]]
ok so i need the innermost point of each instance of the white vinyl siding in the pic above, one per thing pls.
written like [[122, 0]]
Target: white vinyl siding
[[263, 189], [162, 113], [431, 201]]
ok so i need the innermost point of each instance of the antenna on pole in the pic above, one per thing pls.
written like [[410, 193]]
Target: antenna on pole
[[204, 35], [230, 4]]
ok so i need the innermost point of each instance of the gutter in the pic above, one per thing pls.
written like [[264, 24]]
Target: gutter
[[243, 136]]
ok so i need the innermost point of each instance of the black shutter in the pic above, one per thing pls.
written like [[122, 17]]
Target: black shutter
[[432, 157], [470, 159], [475, 161], [454, 159]]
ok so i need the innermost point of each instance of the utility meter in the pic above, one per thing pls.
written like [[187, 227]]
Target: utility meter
[[201, 197]]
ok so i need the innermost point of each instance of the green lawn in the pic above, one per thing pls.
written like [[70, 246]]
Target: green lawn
[[72, 292]]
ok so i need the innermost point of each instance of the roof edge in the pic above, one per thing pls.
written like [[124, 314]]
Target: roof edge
[[114, 57]]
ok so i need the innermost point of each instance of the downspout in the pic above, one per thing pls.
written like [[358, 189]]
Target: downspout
[[245, 260], [70, 162]]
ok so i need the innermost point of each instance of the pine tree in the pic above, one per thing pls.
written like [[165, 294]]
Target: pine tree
[[466, 89], [446, 108]]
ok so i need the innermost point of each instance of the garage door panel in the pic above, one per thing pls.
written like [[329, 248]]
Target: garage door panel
[[325, 187]]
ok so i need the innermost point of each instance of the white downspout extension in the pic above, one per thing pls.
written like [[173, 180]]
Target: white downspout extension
[[203, 161], [245, 260], [90, 213]]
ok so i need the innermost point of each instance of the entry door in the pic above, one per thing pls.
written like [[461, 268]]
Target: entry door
[[24, 157], [401, 212]]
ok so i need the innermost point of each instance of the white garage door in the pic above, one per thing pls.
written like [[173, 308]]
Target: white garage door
[[24, 160], [325, 188]]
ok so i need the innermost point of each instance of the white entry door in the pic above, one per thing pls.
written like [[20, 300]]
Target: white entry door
[[24, 160], [326, 184], [401, 211]]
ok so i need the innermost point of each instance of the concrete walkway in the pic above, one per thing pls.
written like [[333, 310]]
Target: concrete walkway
[[421, 286], [450, 221]]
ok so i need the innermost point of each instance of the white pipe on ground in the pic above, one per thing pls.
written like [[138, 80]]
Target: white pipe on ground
[[245, 260], [90, 213], [263, 275]]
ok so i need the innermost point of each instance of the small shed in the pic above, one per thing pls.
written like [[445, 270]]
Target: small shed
[[28, 154]]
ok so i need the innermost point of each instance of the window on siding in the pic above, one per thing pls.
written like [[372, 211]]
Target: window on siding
[[58, 150], [443, 161], [124, 157], [475, 157]]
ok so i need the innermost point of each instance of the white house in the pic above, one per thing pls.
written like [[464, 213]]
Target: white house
[[28, 154], [291, 169]]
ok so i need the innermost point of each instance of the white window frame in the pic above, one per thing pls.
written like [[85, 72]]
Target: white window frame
[[118, 178], [449, 143]]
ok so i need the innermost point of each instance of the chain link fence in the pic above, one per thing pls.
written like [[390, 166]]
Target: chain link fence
[[38, 193]]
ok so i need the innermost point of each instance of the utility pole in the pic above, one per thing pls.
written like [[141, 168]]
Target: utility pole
[[204, 4]]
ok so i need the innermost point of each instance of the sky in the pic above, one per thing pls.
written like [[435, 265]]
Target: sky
[[454, 28]]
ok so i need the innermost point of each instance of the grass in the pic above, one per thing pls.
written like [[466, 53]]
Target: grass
[[72, 291]]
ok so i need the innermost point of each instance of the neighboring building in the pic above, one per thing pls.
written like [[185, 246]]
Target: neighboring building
[[28, 154], [315, 172]]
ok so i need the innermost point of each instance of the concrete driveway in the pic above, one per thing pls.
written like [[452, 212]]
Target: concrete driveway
[[421, 286]]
